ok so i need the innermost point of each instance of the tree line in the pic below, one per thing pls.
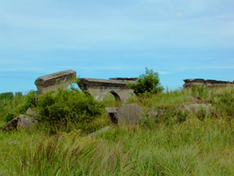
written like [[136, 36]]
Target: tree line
[[10, 95]]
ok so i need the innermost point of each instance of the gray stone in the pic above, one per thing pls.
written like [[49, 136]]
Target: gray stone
[[30, 111], [99, 131], [112, 114], [152, 113], [54, 81], [26, 121], [207, 83], [22, 121], [130, 113], [98, 88], [195, 108]]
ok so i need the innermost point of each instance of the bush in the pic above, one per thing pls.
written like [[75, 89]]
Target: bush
[[66, 105], [17, 105], [29, 102], [225, 103], [7, 95], [147, 83], [200, 92], [9, 116]]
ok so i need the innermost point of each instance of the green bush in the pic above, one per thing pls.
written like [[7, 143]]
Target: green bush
[[225, 103], [147, 83], [7, 95], [9, 116], [66, 105], [18, 104], [29, 101], [200, 92]]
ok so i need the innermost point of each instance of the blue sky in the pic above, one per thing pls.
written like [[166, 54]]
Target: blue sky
[[102, 39]]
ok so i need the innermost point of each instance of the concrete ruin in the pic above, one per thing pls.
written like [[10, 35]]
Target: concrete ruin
[[129, 113], [206, 83], [54, 81], [98, 88]]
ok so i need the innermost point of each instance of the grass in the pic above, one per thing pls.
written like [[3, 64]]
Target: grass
[[10, 104], [153, 147]]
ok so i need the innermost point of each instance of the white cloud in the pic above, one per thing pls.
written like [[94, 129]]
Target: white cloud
[[157, 23], [114, 68], [23, 69], [207, 67]]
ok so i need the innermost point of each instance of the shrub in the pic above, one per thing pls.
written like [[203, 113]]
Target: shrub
[[66, 105], [7, 95], [29, 101], [18, 105], [9, 116], [200, 92], [147, 83], [225, 103]]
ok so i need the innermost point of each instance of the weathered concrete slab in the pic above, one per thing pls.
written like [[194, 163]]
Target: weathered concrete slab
[[195, 108], [112, 115], [130, 113], [25, 121], [100, 87], [22, 121], [206, 83], [86, 83], [54, 81], [125, 79], [99, 131]]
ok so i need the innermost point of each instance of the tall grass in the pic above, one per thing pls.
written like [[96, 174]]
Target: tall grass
[[153, 147]]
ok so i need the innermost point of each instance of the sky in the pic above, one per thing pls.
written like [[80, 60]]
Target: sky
[[119, 38]]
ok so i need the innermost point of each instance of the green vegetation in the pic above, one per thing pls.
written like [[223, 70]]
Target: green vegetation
[[175, 142], [11, 106], [66, 110], [147, 83], [110, 101], [68, 105]]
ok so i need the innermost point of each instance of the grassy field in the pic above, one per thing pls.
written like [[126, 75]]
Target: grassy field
[[173, 143]]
